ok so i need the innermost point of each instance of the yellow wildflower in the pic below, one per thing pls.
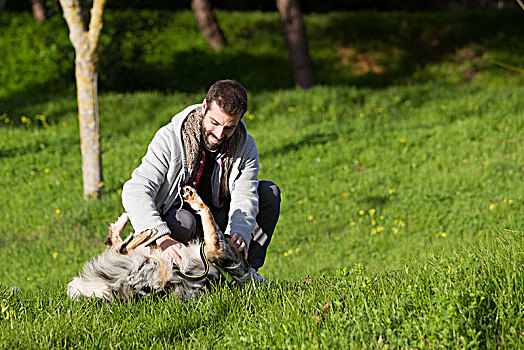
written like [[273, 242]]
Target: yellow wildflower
[[373, 222], [57, 211], [402, 140], [492, 206], [46, 171], [361, 212], [42, 119], [310, 217], [25, 120], [372, 212], [395, 230], [55, 254], [390, 191]]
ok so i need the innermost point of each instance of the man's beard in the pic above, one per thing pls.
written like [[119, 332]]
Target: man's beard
[[211, 146]]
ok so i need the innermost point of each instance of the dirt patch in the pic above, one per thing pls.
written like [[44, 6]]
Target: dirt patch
[[472, 59], [360, 63]]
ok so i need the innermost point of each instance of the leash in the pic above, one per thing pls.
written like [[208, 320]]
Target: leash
[[225, 274], [199, 277]]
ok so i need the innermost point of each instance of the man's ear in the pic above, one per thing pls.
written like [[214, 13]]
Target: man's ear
[[204, 106]]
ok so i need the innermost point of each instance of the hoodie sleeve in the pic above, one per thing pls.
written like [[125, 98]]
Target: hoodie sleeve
[[139, 193], [244, 193]]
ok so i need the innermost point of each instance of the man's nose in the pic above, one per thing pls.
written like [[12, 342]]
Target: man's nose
[[219, 132]]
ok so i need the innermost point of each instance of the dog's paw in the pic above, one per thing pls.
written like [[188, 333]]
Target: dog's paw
[[192, 198]]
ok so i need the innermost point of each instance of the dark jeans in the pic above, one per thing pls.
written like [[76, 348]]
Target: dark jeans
[[184, 225]]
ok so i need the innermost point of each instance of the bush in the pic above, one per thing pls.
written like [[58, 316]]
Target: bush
[[162, 50]]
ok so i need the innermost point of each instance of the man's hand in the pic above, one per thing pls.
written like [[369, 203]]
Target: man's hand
[[170, 248], [238, 243]]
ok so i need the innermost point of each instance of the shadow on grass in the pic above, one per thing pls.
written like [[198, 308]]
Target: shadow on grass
[[308, 140], [362, 49]]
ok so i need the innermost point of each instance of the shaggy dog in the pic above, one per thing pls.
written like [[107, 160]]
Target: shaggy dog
[[128, 268]]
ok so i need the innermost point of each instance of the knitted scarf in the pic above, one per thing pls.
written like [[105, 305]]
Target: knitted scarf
[[192, 135]]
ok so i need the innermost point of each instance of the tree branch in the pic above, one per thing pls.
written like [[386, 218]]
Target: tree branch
[[95, 25], [73, 17]]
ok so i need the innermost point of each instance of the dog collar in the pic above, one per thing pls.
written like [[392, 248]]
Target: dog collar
[[198, 277]]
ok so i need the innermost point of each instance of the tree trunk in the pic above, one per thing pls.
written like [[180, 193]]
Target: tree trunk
[[2, 3], [39, 11], [295, 33], [85, 44], [208, 24]]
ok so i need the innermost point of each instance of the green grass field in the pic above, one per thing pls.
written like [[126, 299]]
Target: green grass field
[[402, 214]]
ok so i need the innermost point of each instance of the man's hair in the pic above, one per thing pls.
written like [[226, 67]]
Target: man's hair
[[230, 96]]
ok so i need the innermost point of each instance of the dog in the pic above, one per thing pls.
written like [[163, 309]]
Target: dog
[[128, 268]]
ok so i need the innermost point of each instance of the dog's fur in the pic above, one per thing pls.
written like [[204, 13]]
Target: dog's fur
[[128, 268]]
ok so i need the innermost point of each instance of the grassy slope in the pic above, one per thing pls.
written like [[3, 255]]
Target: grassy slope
[[419, 157]]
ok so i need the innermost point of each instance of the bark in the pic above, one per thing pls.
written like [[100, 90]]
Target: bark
[[294, 31], [85, 44], [2, 3], [39, 11], [208, 24]]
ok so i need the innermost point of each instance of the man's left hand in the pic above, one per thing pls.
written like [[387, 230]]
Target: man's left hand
[[238, 243]]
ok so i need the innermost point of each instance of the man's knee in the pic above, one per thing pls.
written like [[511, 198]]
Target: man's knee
[[269, 197], [182, 224]]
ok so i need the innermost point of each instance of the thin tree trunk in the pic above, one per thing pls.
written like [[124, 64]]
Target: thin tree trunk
[[294, 31], [208, 24], [39, 11], [85, 44], [2, 3]]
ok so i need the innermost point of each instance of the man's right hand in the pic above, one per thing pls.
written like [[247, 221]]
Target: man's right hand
[[170, 249]]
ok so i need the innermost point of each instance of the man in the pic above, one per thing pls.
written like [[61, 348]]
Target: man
[[205, 146]]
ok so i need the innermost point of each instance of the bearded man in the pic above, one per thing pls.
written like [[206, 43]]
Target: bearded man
[[207, 147]]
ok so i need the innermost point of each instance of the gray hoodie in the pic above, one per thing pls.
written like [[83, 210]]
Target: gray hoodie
[[156, 184]]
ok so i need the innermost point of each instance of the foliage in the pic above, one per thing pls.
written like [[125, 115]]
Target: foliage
[[153, 50]]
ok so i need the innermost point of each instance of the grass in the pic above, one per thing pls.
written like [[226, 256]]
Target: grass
[[468, 300], [401, 202]]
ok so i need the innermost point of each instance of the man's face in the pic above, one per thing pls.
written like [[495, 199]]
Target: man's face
[[217, 126]]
